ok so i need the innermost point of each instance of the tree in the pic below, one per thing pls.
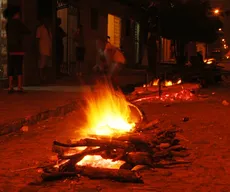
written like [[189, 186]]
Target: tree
[[188, 21]]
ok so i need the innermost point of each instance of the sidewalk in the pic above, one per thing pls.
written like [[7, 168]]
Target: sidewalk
[[39, 103]]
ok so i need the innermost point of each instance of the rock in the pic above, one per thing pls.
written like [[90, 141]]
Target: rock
[[185, 119], [53, 158], [25, 129], [225, 103]]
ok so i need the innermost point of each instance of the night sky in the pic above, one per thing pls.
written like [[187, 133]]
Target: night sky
[[44, 8]]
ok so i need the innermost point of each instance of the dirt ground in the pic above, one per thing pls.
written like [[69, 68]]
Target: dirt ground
[[206, 135]]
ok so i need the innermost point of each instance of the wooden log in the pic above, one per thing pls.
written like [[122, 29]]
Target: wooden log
[[85, 152], [148, 126], [126, 166], [173, 151], [58, 175], [146, 139], [96, 143], [121, 175], [138, 158], [69, 166]]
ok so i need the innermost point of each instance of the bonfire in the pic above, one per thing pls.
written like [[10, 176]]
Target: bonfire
[[116, 138], [166, 83], [166, 91]]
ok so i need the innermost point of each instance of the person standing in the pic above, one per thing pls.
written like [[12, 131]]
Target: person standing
[[80, 49], [59, 47], [44, 41], [16, 31], [115, 60]]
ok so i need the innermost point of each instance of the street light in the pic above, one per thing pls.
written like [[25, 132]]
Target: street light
[[216, 11]]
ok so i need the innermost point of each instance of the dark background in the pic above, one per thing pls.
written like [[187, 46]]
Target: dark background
[[44, 9]]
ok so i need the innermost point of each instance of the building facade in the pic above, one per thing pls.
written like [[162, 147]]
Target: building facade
[[100, 19], [29, 17]]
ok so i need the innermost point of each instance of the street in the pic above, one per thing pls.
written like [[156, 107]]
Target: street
[[206, 135]]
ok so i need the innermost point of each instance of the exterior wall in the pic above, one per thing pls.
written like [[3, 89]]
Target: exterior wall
[[104, 8], [28, 10], [167, 55], [31, 73], [201, 47]]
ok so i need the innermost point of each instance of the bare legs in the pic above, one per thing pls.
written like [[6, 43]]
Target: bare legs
[[20, 82], [79, 72], [43, 63]]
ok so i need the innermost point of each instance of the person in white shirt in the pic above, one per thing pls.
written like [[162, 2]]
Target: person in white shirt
[[44, 39]]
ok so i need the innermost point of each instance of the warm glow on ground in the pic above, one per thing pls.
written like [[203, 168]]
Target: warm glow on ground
[[107, 112]]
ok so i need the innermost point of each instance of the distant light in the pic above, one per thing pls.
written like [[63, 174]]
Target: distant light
[[220, 29], [223, 40], [216, 11]]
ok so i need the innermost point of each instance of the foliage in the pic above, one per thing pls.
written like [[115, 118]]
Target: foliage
[[189, 21]]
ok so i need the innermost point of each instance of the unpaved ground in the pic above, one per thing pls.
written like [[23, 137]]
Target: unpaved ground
[[207, 133]]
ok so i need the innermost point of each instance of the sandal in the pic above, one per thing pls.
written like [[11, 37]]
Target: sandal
[[11, 90], [21, 90]]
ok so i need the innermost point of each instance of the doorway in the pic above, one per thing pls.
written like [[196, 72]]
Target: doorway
[[114, 30], [70, 17], [137, 42]]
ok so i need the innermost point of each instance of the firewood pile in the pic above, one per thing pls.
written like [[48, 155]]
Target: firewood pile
[[147, 145]]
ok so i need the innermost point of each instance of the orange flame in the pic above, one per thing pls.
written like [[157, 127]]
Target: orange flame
[[107, 112], [155, 82], [168, 83]]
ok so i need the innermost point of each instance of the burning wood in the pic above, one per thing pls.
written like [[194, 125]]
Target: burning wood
[[116, 144], [167, 92]]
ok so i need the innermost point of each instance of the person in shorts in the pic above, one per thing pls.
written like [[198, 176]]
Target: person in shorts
[[80, 49], [16, 31]]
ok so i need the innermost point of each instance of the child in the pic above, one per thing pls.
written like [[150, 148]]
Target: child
[[16, 31]]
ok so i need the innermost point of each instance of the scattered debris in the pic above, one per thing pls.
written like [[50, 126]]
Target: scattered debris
[[25, 129], [225, 103], [185, 119]]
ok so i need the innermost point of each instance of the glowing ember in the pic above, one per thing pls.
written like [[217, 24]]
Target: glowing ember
[[98, 161], [155, 82], [168, 83], [179, 81], [107, 112]]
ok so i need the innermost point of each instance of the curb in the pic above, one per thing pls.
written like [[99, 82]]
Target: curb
[[16, 125]]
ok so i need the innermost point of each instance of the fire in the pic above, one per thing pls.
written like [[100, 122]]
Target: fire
[[168, 83], [155, 82], [107, 112], [179, 82], [98, 161]]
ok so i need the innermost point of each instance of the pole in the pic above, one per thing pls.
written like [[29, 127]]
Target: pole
[[159, 87]]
